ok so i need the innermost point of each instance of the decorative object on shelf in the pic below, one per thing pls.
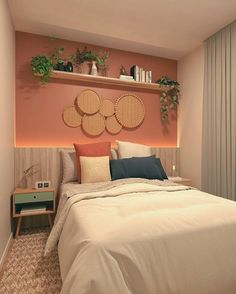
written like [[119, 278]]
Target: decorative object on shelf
[[123, 71], [83, 60], [112, 125], [43, 66], [88, 101], [107, 108], [96, 115], [94, 70], [129, 111], [85, 57], [71, 117], [173, 93], [101, 60], [93, 125], [69, 67]]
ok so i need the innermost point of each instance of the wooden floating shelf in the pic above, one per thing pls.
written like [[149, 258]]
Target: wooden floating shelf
[[107, 81]]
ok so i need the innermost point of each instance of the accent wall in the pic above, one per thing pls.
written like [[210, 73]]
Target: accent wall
[[39, 108]]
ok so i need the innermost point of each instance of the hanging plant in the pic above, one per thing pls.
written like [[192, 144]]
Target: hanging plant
[[169, 98], [42, 65]]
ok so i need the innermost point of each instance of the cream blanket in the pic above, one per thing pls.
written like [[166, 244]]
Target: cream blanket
[[145, 238]]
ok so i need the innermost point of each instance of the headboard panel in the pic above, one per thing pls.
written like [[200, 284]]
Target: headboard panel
[[48, 163]]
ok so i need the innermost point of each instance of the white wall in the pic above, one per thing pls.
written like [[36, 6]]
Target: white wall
[[7, 98], [190, 77]]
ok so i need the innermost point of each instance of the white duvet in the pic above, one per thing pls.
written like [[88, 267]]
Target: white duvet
[[143, 237]]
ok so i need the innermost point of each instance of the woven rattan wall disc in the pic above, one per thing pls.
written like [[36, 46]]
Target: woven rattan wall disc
[[94, 124], [107, 108], [71, 117], [129, 111], [112, 125], [88, 101]]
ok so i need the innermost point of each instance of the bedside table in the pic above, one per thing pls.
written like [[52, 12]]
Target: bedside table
[[181, 181], [28, 202]]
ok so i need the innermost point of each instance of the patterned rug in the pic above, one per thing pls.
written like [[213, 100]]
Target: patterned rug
[[26, 270]]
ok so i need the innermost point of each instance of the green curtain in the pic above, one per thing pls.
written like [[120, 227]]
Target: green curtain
[[219, 114]]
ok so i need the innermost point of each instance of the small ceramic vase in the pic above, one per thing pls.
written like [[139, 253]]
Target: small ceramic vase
[[94, 70]]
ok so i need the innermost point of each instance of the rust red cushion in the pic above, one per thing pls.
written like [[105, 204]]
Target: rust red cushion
[[91, 150]]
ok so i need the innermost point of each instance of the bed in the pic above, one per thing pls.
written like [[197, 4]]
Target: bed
[[144, 237]]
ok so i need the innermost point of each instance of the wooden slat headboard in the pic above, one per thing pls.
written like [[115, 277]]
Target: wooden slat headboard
[[49, 167]]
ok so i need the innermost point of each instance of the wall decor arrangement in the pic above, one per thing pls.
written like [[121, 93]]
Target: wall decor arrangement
[[95, 115]]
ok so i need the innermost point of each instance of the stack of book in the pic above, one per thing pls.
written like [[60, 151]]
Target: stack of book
[[128, 78], [140, 75], [33, 208]]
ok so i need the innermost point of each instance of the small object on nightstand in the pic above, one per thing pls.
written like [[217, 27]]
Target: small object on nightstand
[[181, 181], [28, 202]]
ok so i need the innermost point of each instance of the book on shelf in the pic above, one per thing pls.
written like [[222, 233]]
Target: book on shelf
[[149, 76], [140, 75], [33, 208], [134, 72]]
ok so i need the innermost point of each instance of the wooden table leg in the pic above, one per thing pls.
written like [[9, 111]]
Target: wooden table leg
[[18, 227], [50, 220]]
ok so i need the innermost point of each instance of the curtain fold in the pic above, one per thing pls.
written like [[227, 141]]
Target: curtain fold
[[219, 114]]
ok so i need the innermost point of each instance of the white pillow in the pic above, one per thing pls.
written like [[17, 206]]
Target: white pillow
[[69, 166], [95, 169], [128, 149], [114, 153]]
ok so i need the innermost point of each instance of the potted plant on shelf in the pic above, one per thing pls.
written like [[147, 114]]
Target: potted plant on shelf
[[170, 97], [102, 63], [43, 66], [85, 60]]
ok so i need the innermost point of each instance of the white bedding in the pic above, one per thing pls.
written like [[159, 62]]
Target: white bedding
[[139, 237]]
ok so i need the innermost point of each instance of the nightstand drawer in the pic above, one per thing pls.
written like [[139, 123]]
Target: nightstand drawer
[[33, 197]]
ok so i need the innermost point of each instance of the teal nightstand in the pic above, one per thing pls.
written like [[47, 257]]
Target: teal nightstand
[[28, 202]]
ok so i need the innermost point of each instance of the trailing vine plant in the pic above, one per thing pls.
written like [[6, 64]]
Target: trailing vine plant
[[169, 98]]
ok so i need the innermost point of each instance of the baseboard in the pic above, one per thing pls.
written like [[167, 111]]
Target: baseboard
[[5, 252]]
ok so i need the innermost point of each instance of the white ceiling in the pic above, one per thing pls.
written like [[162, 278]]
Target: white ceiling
[[166, 28]]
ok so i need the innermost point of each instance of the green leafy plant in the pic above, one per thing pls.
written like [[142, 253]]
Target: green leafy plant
[[42, 65], [101, 60], [57, 57], [85, 55], [170, 97]]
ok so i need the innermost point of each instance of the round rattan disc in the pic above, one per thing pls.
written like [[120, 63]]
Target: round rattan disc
[[94, 124], [71, 117], [112, 125], [129, 111], [88, 101], [107, 108]]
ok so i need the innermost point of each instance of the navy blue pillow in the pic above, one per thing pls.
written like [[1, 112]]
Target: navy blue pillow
[[163, 173], [136, 167], [159, 165]]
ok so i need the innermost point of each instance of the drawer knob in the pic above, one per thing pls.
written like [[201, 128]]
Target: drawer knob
[[34, 197]]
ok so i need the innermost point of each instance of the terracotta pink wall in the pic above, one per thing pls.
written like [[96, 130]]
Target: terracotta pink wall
[[39, 108]]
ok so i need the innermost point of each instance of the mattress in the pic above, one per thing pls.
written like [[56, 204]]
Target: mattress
[[139, 236]]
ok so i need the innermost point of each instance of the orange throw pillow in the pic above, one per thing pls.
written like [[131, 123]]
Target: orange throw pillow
[[91, 150]]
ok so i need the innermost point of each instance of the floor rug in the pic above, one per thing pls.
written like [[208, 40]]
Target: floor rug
[[26, 270]]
